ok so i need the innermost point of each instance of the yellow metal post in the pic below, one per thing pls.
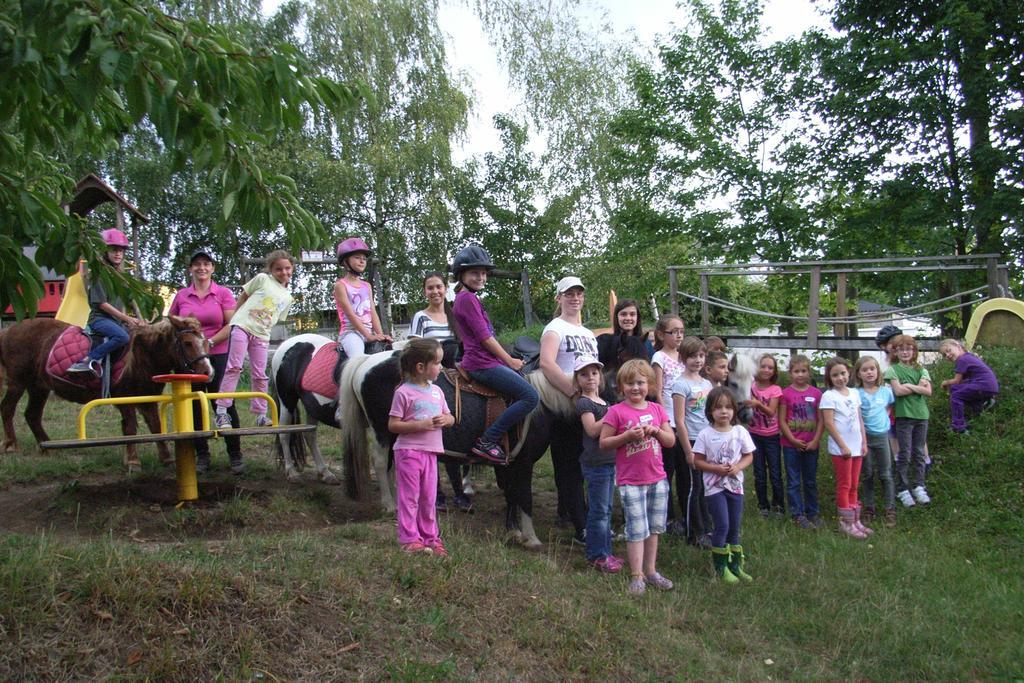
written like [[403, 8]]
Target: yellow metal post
[[184, 450]]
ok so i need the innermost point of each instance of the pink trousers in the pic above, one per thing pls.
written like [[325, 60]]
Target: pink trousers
[[416, 476], [847, 479], [240, 344]]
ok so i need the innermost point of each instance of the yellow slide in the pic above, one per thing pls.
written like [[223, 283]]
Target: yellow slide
[[74, 306], [997, 322]]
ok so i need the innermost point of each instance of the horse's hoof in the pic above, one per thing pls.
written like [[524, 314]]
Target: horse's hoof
[[293, 476], [10, 448], [329, 477], [533, 545]]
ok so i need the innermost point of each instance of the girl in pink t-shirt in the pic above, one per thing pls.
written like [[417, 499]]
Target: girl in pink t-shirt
[[418, 414], [764, 429], [353, 297], [638, 430]]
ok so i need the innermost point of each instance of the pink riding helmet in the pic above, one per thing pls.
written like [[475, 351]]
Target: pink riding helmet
[[114, 238], [351, 246]]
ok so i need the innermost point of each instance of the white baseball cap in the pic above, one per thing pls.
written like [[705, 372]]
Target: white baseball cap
[[583, 361], [567, 283]]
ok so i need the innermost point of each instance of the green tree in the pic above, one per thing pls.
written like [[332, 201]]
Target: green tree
[[714, 157], [498, 208], [928, 94], [76, 77], [384, 172], [571, 73]]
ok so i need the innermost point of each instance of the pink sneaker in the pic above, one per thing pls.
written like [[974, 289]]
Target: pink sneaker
[[619, 562], [415, 548], [606, 565]]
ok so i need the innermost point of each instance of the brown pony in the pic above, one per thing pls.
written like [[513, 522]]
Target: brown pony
[[171, 345]]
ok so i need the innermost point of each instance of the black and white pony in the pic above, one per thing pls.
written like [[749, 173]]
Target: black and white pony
[[742, 371], [368, 383]]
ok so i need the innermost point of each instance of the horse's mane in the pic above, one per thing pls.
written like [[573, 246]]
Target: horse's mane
[[146, 336], [550, 397]]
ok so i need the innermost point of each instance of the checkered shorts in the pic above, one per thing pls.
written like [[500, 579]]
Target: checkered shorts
[[645, 508]]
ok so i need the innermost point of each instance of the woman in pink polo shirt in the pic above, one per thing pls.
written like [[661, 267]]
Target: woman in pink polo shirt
[[212, 305]]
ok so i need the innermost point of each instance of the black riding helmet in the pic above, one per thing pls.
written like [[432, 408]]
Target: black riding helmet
[[472, 256], [885, 334]]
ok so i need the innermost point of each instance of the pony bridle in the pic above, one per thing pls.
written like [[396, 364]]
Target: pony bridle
[[189, 364]]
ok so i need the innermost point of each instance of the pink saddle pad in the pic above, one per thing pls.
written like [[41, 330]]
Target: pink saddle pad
[[318, 376], [72, 346]]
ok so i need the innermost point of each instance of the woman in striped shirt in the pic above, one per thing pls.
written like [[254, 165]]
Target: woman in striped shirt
[[432, 323]]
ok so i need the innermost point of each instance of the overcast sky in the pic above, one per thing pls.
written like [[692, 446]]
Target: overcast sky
[[646, 20]]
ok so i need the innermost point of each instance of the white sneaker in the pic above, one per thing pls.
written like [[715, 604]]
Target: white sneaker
[[906, 499], [263, 421], [921, 496], [223, 421]]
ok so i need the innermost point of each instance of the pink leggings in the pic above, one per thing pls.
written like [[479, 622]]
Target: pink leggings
[[240, 344], [416, 477], [847, 478]]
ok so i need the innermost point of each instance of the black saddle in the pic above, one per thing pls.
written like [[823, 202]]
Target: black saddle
[[527, 349]]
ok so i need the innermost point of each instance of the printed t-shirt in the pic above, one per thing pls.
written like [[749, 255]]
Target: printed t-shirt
[[415, 402], [637, 463], [972, 369], [573, 341], [474, 327], [846, 418], [208, 310], [671, 370], [874, 409], [695, 393], [266, 306], [360, 298], [592, 455], [801, 412], [723, 448], [914, 406], [762, 424], [424, 326]]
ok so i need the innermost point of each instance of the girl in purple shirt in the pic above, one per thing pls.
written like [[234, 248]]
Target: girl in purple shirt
[[483, 357], [974, 385]]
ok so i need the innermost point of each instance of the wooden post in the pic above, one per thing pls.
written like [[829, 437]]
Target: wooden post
[[839, 329], [992, 266], [673, 290], [524, 278], [812, 307], [705, 318]]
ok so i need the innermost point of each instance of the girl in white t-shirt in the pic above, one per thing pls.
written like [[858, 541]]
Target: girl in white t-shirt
[[563, 341], [847, 442], [722, 451]]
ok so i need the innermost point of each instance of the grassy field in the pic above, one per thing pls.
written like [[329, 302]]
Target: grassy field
[[102, 577]]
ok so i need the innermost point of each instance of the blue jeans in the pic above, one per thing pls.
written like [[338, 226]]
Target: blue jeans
[[727, 512], [801, 481], [768, 463], [116, 337], [600, 491], [505, 380]]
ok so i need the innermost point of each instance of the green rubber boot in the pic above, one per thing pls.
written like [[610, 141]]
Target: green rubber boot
[[720, 556], [736, 558]]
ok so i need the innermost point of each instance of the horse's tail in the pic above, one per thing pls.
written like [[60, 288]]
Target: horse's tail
[[2, 369], [352, 418]]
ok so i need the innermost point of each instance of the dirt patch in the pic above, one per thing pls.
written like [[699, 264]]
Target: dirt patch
[[145, 507]]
